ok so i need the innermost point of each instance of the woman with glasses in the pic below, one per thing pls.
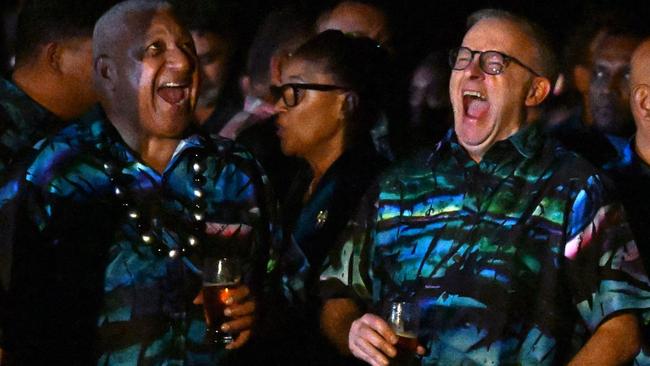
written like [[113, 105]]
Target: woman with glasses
[[333, 89]]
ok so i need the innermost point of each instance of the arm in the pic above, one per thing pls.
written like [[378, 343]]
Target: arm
[[336, 319], [615, 342]]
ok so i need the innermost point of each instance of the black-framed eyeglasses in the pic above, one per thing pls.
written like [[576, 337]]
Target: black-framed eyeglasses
[[291, 93], [490, 62]]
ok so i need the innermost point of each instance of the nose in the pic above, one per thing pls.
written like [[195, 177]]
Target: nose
[[181, 60], [279, 106], [473, 70]]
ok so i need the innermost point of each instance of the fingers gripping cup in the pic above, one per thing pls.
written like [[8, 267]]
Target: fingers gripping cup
[[404, 319], [220, 276]]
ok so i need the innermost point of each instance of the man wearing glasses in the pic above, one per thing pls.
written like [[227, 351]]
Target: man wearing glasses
[[511, 246]]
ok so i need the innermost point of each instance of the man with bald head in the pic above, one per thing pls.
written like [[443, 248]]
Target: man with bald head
[[509, 245], [116, 215], [632, 173], [358, 18]]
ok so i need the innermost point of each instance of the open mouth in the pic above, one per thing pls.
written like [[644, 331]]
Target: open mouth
[[475, 104], [173, 92]]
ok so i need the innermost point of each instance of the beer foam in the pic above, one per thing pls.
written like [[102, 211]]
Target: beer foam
[[404, 334], [227, 284]]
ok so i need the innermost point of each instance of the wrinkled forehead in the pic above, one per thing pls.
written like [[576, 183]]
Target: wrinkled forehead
[[499, 35], [615, 49], [146, 23], [301, 69]]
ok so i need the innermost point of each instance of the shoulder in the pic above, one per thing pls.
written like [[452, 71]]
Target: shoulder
[[568, 166], [61, 150], [415, 164]]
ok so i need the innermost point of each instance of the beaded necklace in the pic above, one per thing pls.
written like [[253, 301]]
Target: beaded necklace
[[148, 227]]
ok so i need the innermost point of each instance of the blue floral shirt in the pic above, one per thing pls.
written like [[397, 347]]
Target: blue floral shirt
[[107, 251]]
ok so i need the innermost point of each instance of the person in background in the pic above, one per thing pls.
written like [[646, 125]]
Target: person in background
[[280, 34], [431, 114], [369, 20], [51, 82], [632, 174], [115, 215], [331, 94], [600, 67], [50, 85], [215, 32], [512, 247]]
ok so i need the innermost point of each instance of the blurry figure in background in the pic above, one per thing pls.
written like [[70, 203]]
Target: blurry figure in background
[[431, 114], [600, 58], [52, 79], [8, 17], [632, 174], [213, 25], [369, 20], [51, 84], [358, 18], [331, 94], [280, 34]]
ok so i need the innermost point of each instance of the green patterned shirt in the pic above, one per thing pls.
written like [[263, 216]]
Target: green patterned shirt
[[513, 260]]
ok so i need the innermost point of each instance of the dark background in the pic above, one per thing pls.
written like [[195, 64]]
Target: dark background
[[420, 26]]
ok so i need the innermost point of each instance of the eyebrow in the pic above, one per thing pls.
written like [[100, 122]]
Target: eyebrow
[[296, 78]]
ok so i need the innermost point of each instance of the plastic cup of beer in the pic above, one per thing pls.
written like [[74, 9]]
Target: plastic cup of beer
[[404, 319], [220, 276]]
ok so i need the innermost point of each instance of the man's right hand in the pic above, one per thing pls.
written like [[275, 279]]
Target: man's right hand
[[372, 340]]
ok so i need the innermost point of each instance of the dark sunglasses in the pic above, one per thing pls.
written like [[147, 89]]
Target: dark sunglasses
[[490, 62], [291, 95]]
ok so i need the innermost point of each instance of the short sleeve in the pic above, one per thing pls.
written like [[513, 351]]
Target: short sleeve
[[604, 267]]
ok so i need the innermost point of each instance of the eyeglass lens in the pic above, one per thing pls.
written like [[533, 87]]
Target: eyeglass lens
[[490, 62]]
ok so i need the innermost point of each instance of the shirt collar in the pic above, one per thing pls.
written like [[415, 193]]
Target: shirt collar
[[44, 121], [527, 142]]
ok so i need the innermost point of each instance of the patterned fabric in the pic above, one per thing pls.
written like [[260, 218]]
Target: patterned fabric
[[513, 260], [631, 175], [85, 284], [23, 122]]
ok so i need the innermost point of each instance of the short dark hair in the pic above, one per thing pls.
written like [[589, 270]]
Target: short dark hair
[[209, 16], [43, 21], [282, 29], [546, 56], [578, 48], [358, 63]]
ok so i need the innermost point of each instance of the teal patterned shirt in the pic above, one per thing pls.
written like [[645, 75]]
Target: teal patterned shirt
[[513, 260], [104, 270], [23, 122]]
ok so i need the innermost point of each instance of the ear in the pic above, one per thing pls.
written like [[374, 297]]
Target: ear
[[640, 104], [350, 104], [105, 73], [276, 69], [539, 90], [581, 78], [53, 53], [245, 85]]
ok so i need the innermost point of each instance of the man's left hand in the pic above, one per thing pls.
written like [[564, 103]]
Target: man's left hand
[[241, 309]]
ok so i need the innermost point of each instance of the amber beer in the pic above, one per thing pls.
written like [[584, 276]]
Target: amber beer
[[403, 317], [214, 296], [220, 276], [407, 344]]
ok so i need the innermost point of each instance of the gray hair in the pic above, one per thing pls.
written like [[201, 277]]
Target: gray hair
[[546, 57], [111, 26]]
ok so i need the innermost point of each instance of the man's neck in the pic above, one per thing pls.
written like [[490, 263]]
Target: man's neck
[[642, 147], [156, 152], [40, 87]]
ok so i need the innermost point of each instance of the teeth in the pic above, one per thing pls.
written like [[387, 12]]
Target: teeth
[[171, 85], [475, 94]]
